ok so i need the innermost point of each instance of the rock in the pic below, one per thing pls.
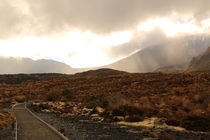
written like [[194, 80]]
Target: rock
[[159, 121], [99, 109], [97, 118], [118, 118], [86, 110], [46, 110], [75, 108], [94, 115], [36, 104], [66, 115]]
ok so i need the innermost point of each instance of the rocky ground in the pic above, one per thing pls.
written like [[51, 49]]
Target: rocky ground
[[7, 125], [78, 125], [8, 133]]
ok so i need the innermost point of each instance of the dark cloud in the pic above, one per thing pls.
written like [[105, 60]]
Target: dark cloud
[[104, 16], [99, 16]]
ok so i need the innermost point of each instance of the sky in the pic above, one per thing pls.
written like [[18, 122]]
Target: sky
[[93, 33]]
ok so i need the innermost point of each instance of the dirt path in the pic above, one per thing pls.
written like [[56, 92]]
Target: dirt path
[[31, 128]]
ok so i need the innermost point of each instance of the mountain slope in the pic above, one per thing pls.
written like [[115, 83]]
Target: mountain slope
[[171, 53], [173, 69], [201, 62], [25, 65]]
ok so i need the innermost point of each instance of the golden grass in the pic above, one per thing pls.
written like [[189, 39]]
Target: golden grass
[[5, 118]]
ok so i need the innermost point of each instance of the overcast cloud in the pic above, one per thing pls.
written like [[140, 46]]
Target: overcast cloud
[[104, 16], [99, 17]]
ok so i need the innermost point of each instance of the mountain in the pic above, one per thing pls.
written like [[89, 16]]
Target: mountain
[[201, 62], [10, 65], [173, 52]]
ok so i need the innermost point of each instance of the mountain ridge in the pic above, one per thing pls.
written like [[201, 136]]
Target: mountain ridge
[[12, 65], [201, 62]]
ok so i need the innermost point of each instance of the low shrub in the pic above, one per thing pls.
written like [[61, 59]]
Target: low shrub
[[134, 118], [126, 109], [67, 94], [204, 98], [172, 122], [104, 101], [20, 99], [52, 97], [165, 136], [196, 123]]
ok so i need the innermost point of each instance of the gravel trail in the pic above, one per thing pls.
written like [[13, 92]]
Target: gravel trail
[[30, 128]]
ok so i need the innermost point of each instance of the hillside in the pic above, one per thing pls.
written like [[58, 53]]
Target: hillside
[[10, 65], [100, 72], [201, 62]]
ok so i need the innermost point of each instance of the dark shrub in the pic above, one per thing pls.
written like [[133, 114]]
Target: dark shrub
[[103, 101], [172, 122], [124, 110], [196, 123], [165, 136], [52, 97], [67, 94], [107, 114], [204, 98], [134, 118], [20, 99]]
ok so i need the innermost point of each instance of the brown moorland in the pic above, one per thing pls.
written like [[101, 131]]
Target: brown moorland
[[180, 99]]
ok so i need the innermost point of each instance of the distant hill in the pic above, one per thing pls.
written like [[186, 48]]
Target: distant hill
[[201, 62], [100, 72], [10, 65]]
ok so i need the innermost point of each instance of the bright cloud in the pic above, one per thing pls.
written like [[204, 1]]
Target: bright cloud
[[172, 28], [86, 49], [75, 48]]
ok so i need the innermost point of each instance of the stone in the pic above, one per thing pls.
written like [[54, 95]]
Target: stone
[[94, 115], [118, 118], [97, 118], [99, 109], [46, 110], [66, 115]]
